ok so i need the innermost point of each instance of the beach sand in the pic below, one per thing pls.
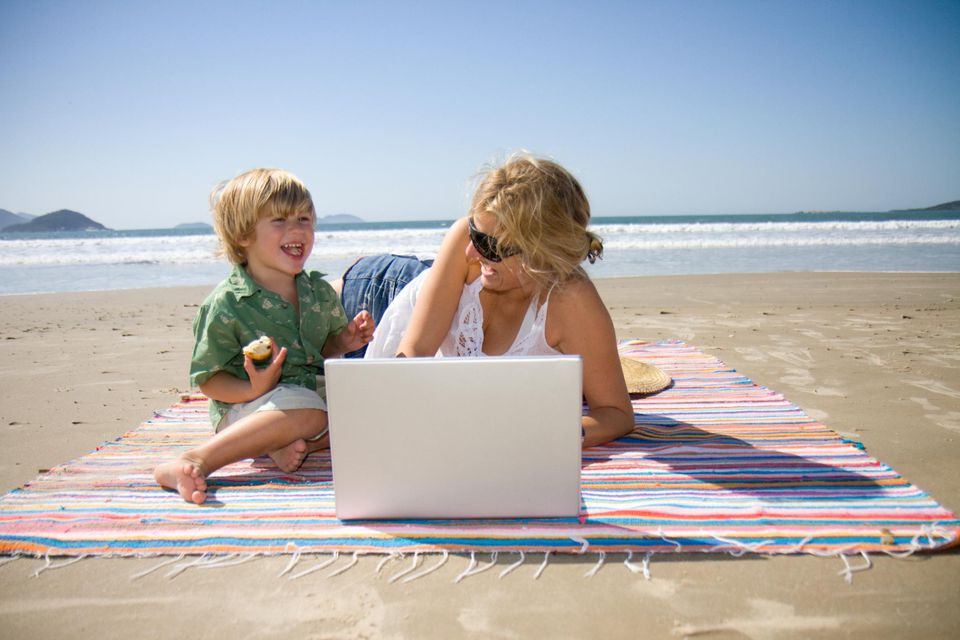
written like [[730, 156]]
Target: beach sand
[[874, 356]]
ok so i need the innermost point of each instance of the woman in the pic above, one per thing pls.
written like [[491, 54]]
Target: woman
[[507, 280]]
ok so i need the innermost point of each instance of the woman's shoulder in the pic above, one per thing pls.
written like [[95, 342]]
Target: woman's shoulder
[[575, 307], [576, 292]]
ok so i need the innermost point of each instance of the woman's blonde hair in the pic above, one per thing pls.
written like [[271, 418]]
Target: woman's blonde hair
[[239, 203], [541, 212]]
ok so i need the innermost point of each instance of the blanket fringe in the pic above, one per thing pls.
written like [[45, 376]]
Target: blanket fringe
[[48, 566], [927, 538], [740, 548], [931, 532], [294, 559], [512, 567], [543, 565], [228, 561], [386, 559], [848, 569], [473, 570], [643, 568], [646, 565], [347, 567], [798, 548], [165, 563], [679, 547], [443, 561], [210, 561], [335, 555], [596, 567], [180, 568], [413, 565]]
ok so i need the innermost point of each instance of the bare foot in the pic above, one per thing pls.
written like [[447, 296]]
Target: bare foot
[[290, 457], [185, 476]]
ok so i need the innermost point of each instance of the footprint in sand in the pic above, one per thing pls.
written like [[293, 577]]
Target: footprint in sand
[[873, 359], [799, 378], [942, 359], [830, 391], [769, 619], [949, 420], [796, 357], [811, 333], [751, 354], [933, 386], [661, 588]]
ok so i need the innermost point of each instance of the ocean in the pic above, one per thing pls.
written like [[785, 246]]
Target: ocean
[[633, 246]]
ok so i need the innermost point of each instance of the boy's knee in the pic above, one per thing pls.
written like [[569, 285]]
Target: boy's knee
[[309, 422]]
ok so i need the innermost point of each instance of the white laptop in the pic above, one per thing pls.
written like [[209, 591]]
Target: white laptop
[[455, 437]]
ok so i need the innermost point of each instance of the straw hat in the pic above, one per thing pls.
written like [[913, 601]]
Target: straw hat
[[642, 377]]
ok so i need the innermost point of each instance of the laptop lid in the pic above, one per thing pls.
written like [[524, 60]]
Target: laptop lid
[[455, 437]]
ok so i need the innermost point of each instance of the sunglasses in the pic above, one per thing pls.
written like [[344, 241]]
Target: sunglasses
[[486, 245]]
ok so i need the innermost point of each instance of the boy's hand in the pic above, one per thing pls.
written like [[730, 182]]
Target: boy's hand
[[262, 380], [358, 332]]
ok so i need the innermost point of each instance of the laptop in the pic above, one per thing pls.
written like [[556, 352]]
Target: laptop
[[455, 437]]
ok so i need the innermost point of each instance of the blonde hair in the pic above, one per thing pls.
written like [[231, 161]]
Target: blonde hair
[[541, 211], [238, 205]]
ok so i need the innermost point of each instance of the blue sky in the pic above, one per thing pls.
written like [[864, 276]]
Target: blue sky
[[131, 111]]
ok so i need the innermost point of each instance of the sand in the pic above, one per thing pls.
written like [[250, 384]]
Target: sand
[[875, 356]]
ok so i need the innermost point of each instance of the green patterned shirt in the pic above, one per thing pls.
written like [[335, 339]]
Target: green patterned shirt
[[239, 310]]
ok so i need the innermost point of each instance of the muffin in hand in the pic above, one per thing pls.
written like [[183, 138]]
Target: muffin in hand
[[259, 350]]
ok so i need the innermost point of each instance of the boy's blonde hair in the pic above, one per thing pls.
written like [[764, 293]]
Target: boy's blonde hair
[[542, 212], [238, 205]]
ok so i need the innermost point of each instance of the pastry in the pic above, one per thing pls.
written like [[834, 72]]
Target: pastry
[[259, 350]]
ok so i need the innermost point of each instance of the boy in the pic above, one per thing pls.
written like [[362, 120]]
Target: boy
[[264, 219]]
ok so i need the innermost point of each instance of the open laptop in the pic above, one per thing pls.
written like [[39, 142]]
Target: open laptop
[[455, 437]]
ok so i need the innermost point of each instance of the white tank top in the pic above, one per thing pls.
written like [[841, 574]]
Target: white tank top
[[465, 337]]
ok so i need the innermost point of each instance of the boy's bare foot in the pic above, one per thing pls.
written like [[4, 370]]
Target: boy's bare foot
[[184, 475], [290, 457]]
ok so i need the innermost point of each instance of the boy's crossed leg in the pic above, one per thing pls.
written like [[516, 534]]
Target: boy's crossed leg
[[290, 457], [287, 436]]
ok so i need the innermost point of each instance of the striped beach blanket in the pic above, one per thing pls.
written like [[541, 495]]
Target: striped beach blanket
[[716, 464]]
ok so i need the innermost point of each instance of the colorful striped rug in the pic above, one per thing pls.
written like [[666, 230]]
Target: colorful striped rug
[[716, 464]]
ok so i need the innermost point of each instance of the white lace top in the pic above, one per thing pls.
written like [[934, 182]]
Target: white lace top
[[465, 337]]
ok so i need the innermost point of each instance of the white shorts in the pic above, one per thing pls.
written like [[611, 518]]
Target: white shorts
[[282, 397]]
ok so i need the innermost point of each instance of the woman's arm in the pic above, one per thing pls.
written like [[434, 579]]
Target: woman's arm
[[438, 300], [578, 323]]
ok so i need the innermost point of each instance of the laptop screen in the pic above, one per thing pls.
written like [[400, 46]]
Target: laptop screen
[[455, 437]]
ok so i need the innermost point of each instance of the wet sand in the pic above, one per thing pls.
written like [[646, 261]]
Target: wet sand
[[875, 356]]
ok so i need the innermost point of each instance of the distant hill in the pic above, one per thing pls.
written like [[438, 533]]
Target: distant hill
[[946, 206], [9, 218], [63, 220], [199, 226], [339, 218]]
